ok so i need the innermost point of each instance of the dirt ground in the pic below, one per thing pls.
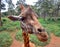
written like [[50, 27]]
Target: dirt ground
[[55, 42]]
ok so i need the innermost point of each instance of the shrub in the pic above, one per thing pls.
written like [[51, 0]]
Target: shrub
[[58, 19], [19, 36], [5, 39], [57, 33], [9, 25], [4, 20], [42, 21]]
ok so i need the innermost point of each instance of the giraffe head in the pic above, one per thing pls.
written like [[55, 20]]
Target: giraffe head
[[29, 18]]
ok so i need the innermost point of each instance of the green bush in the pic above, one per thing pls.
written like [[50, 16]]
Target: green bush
[[58, 19], [57, 33], [19, 36], [42, 21], [2, 28], [9, 25], [53, 28], [5, 39]]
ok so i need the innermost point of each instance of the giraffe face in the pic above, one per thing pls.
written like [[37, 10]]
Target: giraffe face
[[29, 18]]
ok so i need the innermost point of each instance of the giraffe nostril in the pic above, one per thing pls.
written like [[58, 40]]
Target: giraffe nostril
[[39, 30]]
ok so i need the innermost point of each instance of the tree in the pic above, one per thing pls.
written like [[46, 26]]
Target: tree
[[58, 7], [0, 14], [18, 4], [2, 6], [45, 7], [10, 6]]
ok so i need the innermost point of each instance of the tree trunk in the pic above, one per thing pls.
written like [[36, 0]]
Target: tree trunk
[[0, 14], [0, 20]]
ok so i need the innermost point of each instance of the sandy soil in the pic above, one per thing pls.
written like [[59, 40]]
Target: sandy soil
[[55, 41]]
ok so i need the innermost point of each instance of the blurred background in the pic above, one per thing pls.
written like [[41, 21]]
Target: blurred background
[[48, 12]]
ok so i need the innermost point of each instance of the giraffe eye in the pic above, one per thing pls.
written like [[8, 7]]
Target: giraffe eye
[[39, 30], [22, 18]]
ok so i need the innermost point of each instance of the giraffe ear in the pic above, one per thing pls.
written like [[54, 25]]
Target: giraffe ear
[[15, 18], [22, 7]]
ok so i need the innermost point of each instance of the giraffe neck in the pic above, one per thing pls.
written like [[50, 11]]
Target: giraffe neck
[[26, 39]]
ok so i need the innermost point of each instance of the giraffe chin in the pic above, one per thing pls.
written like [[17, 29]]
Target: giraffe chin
[[41, 38]]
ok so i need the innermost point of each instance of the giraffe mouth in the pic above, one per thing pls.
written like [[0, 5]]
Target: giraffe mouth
[[42, 36]]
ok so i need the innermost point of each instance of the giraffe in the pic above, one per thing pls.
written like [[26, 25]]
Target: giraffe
[[30, 25]]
